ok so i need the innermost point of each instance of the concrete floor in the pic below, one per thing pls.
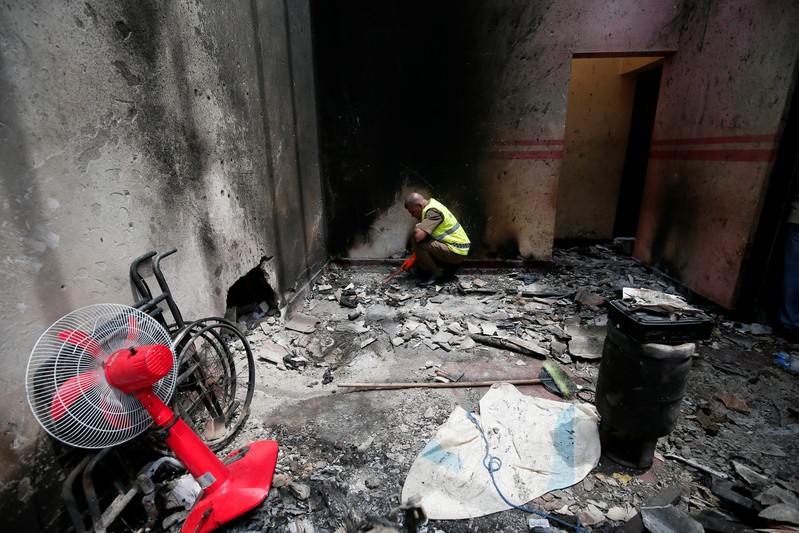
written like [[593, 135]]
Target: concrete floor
[[345, 454]]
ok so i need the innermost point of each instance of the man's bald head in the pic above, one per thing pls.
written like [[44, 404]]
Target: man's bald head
[[415, 199], [415, 203]]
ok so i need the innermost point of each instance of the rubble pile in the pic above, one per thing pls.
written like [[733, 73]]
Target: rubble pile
[[730, 464]]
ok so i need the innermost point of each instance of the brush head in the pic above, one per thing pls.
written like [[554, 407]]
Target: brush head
[[557, 381]]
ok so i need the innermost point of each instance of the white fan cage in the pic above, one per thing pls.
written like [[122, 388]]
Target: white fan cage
[[90, 412]]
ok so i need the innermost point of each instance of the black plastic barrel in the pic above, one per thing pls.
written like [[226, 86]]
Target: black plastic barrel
[[638, 395]]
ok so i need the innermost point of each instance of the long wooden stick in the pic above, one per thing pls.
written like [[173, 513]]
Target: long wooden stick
[[439, 385]]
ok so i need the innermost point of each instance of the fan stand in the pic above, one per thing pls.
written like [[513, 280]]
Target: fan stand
[[230, 488], [71, 372]]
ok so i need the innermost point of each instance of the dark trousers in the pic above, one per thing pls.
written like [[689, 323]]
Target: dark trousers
[[789, 306], [432, 254]]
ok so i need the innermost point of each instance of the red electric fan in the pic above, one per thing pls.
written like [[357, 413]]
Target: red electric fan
[[97, 373]]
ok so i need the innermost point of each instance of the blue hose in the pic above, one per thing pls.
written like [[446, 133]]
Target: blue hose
[[492, 463]]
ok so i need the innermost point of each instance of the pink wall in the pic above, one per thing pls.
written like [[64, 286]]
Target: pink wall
[[723, 98], [528, 50]]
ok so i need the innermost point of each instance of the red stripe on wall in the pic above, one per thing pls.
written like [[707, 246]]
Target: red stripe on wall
[[731, 139], [518, 154], [528, 142], [715, 155]]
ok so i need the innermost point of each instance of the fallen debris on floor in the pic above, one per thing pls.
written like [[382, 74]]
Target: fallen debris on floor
[[349, 455]]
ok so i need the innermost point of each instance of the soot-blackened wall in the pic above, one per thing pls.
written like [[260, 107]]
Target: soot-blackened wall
[[128, 126], [466, 101], [399, 98]]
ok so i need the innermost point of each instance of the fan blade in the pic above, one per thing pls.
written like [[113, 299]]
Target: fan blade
[[82, 340], [113, 412], [71, 390], [133, 330]]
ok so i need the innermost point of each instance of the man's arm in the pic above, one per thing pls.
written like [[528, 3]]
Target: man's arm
[[425, 228], [419, 234]]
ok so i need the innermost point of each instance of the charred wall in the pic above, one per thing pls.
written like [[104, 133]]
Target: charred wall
[[469, 103], [398, 90], [466, 101], [131, 126], [721, 112]]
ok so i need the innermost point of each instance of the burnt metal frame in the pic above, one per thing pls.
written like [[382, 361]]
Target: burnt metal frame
[[201, 381]]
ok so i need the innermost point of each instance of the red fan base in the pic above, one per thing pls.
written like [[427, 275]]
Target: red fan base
[[230, 488]]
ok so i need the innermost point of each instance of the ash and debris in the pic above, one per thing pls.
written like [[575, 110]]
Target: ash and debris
[[344, 454]]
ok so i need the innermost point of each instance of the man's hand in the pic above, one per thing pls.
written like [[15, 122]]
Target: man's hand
[[408, 263]]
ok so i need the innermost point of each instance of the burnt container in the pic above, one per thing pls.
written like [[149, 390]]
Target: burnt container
[[645, 326], [641, 384]]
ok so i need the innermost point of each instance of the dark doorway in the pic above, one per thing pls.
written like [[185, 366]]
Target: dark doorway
[[633, 176]]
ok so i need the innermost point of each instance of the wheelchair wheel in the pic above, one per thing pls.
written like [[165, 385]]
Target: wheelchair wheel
[[215, 380]]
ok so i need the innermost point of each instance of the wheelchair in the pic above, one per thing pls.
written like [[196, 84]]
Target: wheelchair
[[216, 373]]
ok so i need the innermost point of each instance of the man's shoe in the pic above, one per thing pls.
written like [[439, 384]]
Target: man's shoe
[[427, 282]]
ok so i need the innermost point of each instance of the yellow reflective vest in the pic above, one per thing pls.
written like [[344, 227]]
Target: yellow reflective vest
[[449, 231]]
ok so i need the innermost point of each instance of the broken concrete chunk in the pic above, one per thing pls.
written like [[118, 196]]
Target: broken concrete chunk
[[442, 337], [358, 326], [455, 328], [750, 476], [467, 343], [425, 314], [776, 495], [473, 328], [303, 323], [488, 328], [586, 342], [281, 480], [396, 457], [556, 347], [365, 445], [589, 299], [669, 519], [620, 514], [410, 326], [397, 341], [367, 342], [734, 403], [271, 352], [541, 289], [301, 491], [514, 344], [781, 512], [592, 515], [668, 496], [537, 307]]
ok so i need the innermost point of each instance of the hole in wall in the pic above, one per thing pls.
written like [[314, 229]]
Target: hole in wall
[[251, 297]]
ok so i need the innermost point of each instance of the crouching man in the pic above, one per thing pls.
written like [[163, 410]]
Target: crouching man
[[439, 241]]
